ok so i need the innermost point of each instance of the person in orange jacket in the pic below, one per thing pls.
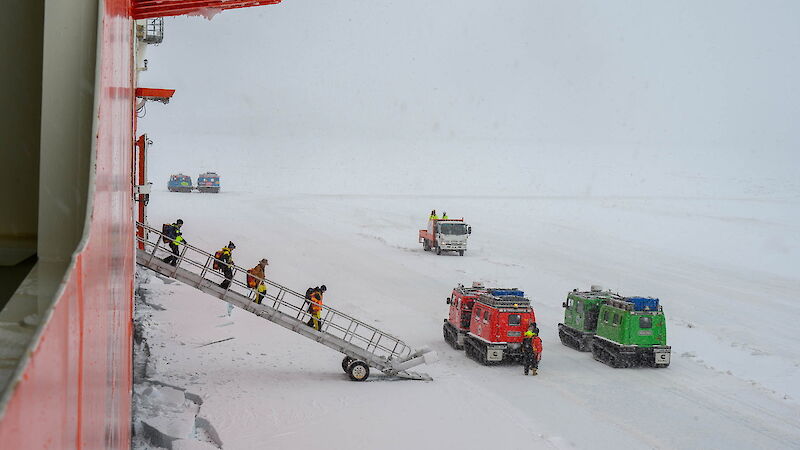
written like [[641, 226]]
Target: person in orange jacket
[[531, 350], [315, 307], [255, 277]]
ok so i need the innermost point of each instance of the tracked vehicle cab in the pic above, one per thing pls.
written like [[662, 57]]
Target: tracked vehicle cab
[[581, 310], [179, 183]]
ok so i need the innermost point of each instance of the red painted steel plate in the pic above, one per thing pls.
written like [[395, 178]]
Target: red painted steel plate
[[144, 9]]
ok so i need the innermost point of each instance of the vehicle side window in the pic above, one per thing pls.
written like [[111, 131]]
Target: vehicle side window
[[616, 319], [486, 317], [569, 302], [579, 307], [477, 314], [514, 319], [645, 322]]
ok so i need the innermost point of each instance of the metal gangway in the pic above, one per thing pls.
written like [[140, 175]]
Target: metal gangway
[[363, 345]]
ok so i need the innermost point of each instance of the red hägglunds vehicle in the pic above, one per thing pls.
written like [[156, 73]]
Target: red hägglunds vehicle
[[488, 322]]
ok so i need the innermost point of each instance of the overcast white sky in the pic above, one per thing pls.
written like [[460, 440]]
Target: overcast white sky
[[712, 83]]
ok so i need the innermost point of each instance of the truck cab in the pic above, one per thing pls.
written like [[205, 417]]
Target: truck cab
[[179, 183], [208, 182], [448, 235]]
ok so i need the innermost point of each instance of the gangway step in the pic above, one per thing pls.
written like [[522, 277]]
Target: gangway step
[[358, 341]]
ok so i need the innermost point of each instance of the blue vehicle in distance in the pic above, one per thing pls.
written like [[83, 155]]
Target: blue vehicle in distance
[[208, 182], [179, 183]]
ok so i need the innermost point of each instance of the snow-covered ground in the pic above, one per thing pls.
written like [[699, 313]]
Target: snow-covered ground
[[725, 271]]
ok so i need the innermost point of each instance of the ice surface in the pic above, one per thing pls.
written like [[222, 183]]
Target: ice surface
[[734, 386]]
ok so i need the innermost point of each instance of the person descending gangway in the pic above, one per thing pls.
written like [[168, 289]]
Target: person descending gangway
[[255, 280], [173, 237], [224, 261]]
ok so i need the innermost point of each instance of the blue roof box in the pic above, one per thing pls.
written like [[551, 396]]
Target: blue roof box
[[643, 303], [505, 292]]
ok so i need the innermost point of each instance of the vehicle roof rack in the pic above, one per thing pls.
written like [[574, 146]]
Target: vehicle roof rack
[[483, 289], [504, 301], [597, 295]]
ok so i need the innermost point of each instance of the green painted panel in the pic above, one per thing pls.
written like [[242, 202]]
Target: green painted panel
[[643, 329]]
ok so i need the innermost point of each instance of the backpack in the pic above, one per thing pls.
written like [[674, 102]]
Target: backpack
[[252, 281], [217, 264], [169, 232]]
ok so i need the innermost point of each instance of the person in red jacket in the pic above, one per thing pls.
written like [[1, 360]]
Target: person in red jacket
[[531, 349]]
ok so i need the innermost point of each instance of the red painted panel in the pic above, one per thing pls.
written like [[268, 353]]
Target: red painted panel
[[143, 9], [165, 94], [76, 388]]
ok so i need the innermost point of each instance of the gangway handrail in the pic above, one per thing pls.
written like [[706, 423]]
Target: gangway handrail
[[334, 322]]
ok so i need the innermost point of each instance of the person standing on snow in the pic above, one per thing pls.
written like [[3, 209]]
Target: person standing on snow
[[173, 235], [315, 307], [225, 256], [255, 279], [531, 349]]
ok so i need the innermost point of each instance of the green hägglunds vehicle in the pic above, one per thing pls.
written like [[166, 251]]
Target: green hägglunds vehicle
[[619, 331]]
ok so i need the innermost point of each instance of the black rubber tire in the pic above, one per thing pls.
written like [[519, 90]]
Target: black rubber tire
[[461, 253], [358, 370], [346, 362]]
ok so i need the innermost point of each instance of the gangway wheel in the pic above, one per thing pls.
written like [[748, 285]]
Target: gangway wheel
[[346, 362], [358, 370]]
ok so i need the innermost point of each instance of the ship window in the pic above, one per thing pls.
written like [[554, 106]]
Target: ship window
[[616, 319], [514, 319], [645, 322]]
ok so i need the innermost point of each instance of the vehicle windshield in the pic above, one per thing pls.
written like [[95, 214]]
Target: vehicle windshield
[[453, 228]]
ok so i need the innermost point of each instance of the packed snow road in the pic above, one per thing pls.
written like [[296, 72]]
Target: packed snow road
[[724, 277]]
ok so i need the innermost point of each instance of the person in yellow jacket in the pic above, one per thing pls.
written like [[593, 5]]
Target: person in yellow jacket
[[175, 238], [444, 215], [226, 261], [255, 279]]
